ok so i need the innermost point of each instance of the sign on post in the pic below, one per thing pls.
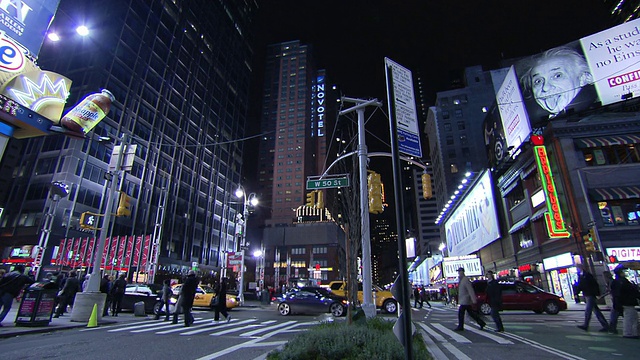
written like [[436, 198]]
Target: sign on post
[[328, 183]]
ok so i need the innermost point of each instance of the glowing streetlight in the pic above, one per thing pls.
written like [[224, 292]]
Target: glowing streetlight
[[82, 30], [251, 200]]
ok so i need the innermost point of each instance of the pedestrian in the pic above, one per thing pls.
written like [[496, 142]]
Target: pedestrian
[[85, 282], [187, 295], [117, 293], [424, 297], [494, 299], [105, 287], [68, 293], [164, 299], [416, 297], [625, 298], [466, 300], [220, 306], [10, 286], [576, 296], [590, 289]]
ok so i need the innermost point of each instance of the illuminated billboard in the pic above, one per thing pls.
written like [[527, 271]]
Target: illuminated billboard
[[474, 223], [515, 123], [27, 21]]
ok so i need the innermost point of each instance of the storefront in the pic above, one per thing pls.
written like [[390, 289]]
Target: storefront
[[561, 274], [627, 256], [530, 274]]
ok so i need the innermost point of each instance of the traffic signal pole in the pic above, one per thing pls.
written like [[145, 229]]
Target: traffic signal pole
[[367, 304]]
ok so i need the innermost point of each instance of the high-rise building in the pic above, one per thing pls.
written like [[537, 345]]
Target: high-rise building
[[180, 74]]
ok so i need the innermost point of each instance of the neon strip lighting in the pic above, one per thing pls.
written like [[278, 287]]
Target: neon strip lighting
[[556, 226]]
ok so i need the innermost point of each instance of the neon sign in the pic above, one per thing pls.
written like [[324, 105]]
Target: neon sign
[[320, 106], [553, 217]]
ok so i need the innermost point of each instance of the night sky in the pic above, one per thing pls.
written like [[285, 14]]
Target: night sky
[[435, 38]]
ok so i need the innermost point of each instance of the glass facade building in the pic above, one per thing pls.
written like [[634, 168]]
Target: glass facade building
[[180, 72]]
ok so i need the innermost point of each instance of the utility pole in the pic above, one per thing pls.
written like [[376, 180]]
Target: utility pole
[[367, 304]]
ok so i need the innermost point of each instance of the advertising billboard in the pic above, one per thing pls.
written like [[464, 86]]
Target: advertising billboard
[[515, 123], [27, 21], [474, 223]]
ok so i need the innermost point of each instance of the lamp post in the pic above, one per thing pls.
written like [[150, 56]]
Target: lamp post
[[259, 257], [57, 191], [247, 201]]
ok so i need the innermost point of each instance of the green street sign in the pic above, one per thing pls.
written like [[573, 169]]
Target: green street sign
[[327, 183]]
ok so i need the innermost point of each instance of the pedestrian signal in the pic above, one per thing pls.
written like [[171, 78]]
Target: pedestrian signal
[[88, 220], [124, 206], [613, 259]]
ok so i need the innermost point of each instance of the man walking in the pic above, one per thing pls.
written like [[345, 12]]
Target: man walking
[[10, 286], [466, 298], [590, 289], [625, 298], [416, 297], [68, 293], [188, 293], [494, 298]]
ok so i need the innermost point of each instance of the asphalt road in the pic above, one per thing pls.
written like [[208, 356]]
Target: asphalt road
[[253, 332]]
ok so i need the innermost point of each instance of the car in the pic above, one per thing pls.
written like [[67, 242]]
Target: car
[[384, 299], [311, 300], [519, 295], [204, 296], [134, 293]]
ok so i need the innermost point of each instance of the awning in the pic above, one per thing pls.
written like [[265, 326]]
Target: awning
[[519, 225], [538, 214], [615, 193], [607, 141]]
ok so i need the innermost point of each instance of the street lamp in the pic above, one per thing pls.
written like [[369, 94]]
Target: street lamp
[[259, 256], [57, 191], [247, 201]]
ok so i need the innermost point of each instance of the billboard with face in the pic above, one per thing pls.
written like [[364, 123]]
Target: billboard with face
[[474, 223]]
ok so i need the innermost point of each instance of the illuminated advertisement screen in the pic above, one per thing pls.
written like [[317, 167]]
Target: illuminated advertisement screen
[[474, 223], [27, 21], [515, 123]]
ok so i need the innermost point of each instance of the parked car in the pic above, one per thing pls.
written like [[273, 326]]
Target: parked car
[[384, 299], [146, 293], [311, 300], [518, 295]]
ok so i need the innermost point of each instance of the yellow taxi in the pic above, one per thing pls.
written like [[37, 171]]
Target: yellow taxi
[[204, 296], [384, 299]]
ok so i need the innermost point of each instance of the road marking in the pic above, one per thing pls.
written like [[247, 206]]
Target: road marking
[[432, 347], [488, 335], [172, 325], [546, 348], [129, 326], [258, 331], [219, 333], [250, 343], [440, 355], [452, 334], [214, 327], [434, 334]]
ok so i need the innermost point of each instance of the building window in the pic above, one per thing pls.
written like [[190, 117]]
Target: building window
[[516, 196], [458, 113], [454, 168], [612, 155], [461, 125], [319, 249], [298, 251], [445, 114], [620, 212], [447, 127], [449, 140]]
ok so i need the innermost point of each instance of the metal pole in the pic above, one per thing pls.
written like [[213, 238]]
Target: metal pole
[[94, 280], [46, 232], [245, 215]]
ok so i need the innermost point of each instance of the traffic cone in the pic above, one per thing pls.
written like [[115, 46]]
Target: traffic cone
[[93, 319]]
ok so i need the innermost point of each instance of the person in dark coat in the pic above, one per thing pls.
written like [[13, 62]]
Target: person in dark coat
[[625, 299], [416, 297], [68, 293], [164, 299], [590, 289], [10, 286], [494, 299], [117, 293], [424, 297], [187, 294], [221, 306], [105, 288]]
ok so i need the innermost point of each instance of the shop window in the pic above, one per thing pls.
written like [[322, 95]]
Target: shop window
[[612, 155], [620, 212]]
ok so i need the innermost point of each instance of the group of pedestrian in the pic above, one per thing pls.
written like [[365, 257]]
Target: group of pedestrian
[[10, 286], [420, 296], [187, 295]]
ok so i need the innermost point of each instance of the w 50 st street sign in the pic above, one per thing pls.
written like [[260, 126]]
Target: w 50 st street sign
[[334, 182]]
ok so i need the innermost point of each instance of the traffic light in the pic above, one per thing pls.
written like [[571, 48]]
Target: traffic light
[[588, 242], [319, 199], [88, 220], [375, 193], [124, 206], [427, 191], [613, 259], [311, 199]]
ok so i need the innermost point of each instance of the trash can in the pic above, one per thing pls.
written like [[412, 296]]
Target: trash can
[[37, 304], [265, 297], [138, 309]]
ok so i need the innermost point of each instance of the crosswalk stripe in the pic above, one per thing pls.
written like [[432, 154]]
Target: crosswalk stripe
[[498, 339], [216, 328], [172, 325], [219, 333], [455, 336], [254, 332]]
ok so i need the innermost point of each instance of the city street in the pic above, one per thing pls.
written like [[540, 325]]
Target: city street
[[256, 330]]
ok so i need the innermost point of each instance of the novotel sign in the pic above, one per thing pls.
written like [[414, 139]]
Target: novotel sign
[[556, 226]]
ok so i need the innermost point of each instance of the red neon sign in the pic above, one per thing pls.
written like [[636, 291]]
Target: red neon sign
[[553, 217]]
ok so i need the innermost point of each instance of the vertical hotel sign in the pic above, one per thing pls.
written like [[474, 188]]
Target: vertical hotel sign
[[406, 116], [27, 21], [556, 226], [320, 104]]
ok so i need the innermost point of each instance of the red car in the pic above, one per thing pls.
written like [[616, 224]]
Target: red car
[[518, 295]]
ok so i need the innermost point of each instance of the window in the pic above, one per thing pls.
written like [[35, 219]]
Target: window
[[516, 196], [620, 212], [458, 113], [449, 140], [461, 125], [445, 114], [298, 251], [319, 249], [447, 127], [612, 155]]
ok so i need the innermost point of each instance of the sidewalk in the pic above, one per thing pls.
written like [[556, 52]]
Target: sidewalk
[[9, 328]]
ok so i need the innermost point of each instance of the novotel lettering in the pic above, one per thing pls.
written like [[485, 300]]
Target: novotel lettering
[[320, 109], [555, 222]]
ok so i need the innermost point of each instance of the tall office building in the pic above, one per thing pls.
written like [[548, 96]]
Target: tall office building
[[180, 73]]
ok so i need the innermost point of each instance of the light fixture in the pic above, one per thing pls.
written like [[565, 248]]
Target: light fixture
[[82, 30]]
